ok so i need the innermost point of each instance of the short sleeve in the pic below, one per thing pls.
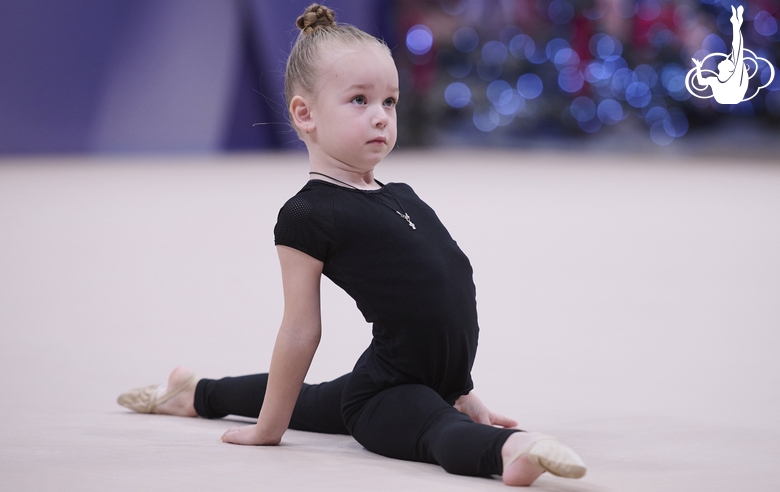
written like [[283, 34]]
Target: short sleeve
[[306, 223]]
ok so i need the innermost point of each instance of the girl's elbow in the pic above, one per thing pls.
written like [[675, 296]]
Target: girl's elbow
[[308, 332]]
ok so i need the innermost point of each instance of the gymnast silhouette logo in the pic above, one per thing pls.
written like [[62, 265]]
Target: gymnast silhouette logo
[[730, 83]]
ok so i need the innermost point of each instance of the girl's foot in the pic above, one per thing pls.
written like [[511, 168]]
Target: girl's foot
[[183, 403], [526, 455], [518, 467], [175, 398]]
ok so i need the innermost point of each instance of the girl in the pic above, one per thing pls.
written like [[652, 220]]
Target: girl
[[409, 395]]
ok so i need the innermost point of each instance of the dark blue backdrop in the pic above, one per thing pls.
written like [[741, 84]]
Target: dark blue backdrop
[[152, 75]]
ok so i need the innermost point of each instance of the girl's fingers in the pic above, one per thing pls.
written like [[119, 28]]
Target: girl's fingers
[[236, 435], [483, 418], [228, 435], [496, 419]]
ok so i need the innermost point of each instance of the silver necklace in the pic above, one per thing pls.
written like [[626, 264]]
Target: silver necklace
[[403, 215]]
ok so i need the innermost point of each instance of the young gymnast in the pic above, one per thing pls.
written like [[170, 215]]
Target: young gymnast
[[410, 394]]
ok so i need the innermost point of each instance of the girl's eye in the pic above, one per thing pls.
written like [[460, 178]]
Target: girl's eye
[[359, 100], [391, 102]]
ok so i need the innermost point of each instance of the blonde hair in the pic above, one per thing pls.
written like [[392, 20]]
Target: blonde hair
[[319, 31]]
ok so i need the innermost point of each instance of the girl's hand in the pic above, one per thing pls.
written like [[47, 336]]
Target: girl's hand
[[479, 413], [248, 435]]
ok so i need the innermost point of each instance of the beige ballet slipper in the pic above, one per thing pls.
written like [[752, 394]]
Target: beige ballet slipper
[[554, 456], [147, 399]]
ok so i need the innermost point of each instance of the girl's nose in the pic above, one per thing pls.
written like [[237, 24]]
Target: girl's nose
[[380, 118]]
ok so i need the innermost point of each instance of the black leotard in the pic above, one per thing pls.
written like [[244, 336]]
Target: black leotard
[[415, 286]]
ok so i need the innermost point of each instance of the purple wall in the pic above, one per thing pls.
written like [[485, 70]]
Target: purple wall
[[151, 75]]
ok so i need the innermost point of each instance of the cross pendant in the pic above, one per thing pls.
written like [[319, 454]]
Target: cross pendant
[[408, 219]]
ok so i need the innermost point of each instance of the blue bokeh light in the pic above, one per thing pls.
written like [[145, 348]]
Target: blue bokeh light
[[648, 85], [566, 57], [529, 85], [560, 11], [638, 94], [610, 111], [419, 39], [495, 89], [676, 124], [508, 32], [522, 46], [486, 121], [656, 113], [494, 52], [767, 72], [765, 24], [646, 74], [590, 126], [457, 95], [596, 73], [714, 44], [554, 46], [613, 63], [603, 46], [660, 36], [465, 39], [509, 103], [673, 79], [744, 108], [658, 134], [538, 56], [583, 108], [621, 79], [570, 80]]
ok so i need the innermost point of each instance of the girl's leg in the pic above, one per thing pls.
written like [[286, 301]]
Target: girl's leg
[[318, 408], [412, 422]]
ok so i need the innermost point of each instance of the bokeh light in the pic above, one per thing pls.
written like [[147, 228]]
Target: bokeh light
[[570, 80], [419, 39], [465, 39], [494, 52], [529, 85], [638, 94], [486, 121], [610, 111], [583, 108], [604, 46], [765, 24], [714, 44], [457, 94], [560, 11], [658, 134], [508, 67]]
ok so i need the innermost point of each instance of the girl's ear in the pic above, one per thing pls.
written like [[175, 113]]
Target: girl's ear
[[300, 111]]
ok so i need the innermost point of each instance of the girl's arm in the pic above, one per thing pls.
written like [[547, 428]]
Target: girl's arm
[[296, 343]]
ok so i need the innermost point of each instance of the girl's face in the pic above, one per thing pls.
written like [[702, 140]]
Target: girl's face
[[353, 110]]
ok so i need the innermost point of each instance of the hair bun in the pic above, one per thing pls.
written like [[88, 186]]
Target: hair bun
[[315, 16]]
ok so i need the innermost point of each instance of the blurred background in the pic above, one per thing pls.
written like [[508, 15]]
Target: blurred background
[[82, 76]]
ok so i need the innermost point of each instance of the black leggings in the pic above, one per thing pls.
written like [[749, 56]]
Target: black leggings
[[409, 422]]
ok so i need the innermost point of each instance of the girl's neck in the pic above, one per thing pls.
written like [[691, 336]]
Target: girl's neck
[[338, 176]]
